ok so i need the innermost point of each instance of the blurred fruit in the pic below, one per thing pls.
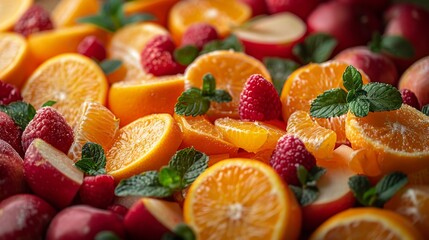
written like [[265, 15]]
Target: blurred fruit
[[374, 4], [67, 12], [301, 8], [409, 98], [10, 132], [416, 79], [35, 19], [11, 11], [12, 179], [420, 177], [158, 8], [199, 34], [9, 93], [13, 58], [146, 144], [260, 206], [356, 160], [93, 48], [258, 7]]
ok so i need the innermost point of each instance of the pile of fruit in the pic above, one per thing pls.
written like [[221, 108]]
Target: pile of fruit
[[214, 119]]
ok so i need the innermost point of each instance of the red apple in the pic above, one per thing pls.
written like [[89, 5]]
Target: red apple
[[374, 4], [268, 37], [299, 7], [51, 174], [24, 216], [82, 222], [378, 67], [416, 79], [151, 218], [258, 7], [12, 179]]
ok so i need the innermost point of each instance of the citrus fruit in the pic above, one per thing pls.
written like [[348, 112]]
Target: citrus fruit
[[309, 81], [241, 199], [420, 177], [69, 79], [356, 160], [201, 134], [130, 100], [397, 140], [222, 15], [146, 144], [11, 11], [67, 12], [231, 71], [158, 8], [367, 223], [96, 124], [13, 58]]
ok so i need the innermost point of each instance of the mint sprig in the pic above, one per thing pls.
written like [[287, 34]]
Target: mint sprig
[[317, 48], [110, 65], [359, 99], [229, 43], [425, 109], [195, 101], [181, 231], [280, 69], [21, 112], [93, 160], [186, 55], [307, 192], [394, 45], [184, 167]]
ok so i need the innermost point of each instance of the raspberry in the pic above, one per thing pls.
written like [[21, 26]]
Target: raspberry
[[92, 47], [199, 34], [259, 100], [50, 126], [408, 97], [9, 93], [10, 132], [97, 191], [35, 19], [289, 153], [163, 42], [157, 57]]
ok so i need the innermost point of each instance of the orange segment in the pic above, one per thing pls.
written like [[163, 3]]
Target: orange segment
[[134, 99], [68, 79], [366, 223], [318, 140], [145, 144], [241, 198], [11, 11], [250, 136], [309, 81], [231, 71], [96, 124], [397, 140], [13, 58], [159, 8], [356, 160], [201, 134], [67, 12]]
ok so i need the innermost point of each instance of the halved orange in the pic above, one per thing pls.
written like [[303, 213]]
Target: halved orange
[[231, 71], [240, 198], [11, 11], [67, 12], [367, 223], [397, 140], [13, 58], [146, 144], [70, 80], [158, 8]]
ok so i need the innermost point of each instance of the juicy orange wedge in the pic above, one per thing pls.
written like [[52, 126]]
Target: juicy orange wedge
[[241, 198], [13, 58], [67, 12], [11, 11]]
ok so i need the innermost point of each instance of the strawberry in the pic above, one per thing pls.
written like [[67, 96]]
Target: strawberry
[[97, 191], [10, 132], [259, 100], [50, 126], [9, 93], [92, 47], [35, 19], [199, 34], [408, 97], [157, 57], [289, 153]]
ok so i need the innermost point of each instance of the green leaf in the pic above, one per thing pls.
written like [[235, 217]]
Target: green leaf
[[111, 7], [20, 112], [184, 231], [209, 85], [280, 69], [382, 97], [389, 185], [359, 184], [93, 161], [145, 185], [425, 109], [316, 48], [331, 103], [397, 46], [189, 163], [302, 174], [169, 177], [186, 55], [192, 103], [359, 107], [229, 43], [297, 191], [111, 65], [102, 22], [352, 79], [309, 195], [316, 173], [370, 197], [375, 44], [49, 103], [106, 235], [138, 17], [220, 96]]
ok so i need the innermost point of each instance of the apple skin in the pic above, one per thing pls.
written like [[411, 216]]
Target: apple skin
[[299, 7], [82, 222], [416, 79], [55, 185], [378, 67], [259, 7], [24, 216], [374, 4]]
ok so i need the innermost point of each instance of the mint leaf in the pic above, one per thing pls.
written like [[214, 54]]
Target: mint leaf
[[375, 44], [297, 191], [184, 231], [229, 43], [93, 161], [389, 185], [382, 97], [100, 21], [359, 107], [145, 185], [220, 96], [316, 173], [192, 103], [49, 103], [20, 112], [106, 235], [359, 184], [185, 55], [331, 103], [316, 48], [397, 46], [425, 109], [352, 79], [308, 192], [169, 177], [309, 195], [111, 65], [138, 17], [189, 164], [280, 69], [209, 85], [302, 174]]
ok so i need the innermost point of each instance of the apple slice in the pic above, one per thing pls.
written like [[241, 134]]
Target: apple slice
[[151, 218], [272, 36], [51, 174]]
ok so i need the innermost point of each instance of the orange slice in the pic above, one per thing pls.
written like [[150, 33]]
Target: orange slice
[[11, 11], [241, 198], [67, 12], [309, 81], [96, 124], [396, 140], [367, 223], [159, 8], [250, 136], [130, 100], [145, 144], [356, 160], [70, 80], [231, 71], [318, 140], [13, 58]]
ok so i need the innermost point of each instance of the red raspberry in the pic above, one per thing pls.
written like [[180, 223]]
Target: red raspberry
[[199, 34], [10, 132], [35, 19], [289, 153], [158, 62], [163, 42], [9, 93], [259, 100], [97, 191], [50, 126], [408, 97], [92, 47]]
